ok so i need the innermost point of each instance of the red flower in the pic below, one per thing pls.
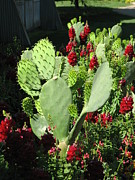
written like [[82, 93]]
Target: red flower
[[105, 118], [74, 153], [132, 88], [5, 128], [83, 53], [83, 37], [89, 46], [122, 82], [126, 105], [72, 58], [69, 46], [129, 51], [71, 33], [86, 29], [92, 116], [93, 62]]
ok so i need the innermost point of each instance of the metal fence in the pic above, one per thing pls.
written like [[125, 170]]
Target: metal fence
[[29, 11]]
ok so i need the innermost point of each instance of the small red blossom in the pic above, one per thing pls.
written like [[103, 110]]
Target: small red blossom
[[74, 153], [69, 46], [93, 62], [83, 37], [129, 51], [122, 82], [87, 29], [83, 53], [105, 118], [5, 128], [126, 105], [132, 88], [128, 153], [71, 33], [86, 156], [89, 46], [72, 58], [92, 116]]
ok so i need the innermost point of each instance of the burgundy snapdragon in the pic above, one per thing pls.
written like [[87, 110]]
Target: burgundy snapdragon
[[129, 51], [71, 33], [5, 128], [72, 58], [126, 105], [87, 29], [93, 62], [74, 153]]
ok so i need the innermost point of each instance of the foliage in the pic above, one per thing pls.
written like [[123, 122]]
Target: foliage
[[80, 102]]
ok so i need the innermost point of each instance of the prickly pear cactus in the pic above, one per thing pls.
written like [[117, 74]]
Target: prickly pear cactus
[[101, 88], [28, 77], [55, 99], [116, 31], [44, 58], [78, 29], [100, 92], [27, 105], [39, 125], [100, 52], [130, 72]]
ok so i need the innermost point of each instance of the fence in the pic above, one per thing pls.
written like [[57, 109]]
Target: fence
[[29, 11]]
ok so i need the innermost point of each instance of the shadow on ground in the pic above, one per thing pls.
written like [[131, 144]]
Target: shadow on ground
[[98, 17]]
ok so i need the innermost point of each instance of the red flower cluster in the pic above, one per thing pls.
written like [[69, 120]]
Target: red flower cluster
[[20, 148], [83, 53], [87, 29], [5, 128], [129, 51], [93, 62], [72, 58], [122, 82], [71, 33], [74, 153], [92, 116], [126, 104], [105, 118], [70, 45], [84, 33]]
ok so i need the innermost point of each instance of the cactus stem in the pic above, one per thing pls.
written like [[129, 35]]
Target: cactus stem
[[77, 127]]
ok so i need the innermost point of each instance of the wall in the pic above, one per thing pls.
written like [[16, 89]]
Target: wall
[[29, 11]]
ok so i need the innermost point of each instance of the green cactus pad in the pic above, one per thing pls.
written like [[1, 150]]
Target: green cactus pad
[[130, 72], [28, 77], [39, 125], [116, 30], [78, 29], [55, 99], [27, 54], [100, 52], [38, 107], [59, 65], [72, 78], [101, 88], [44, 58], [27, 105]]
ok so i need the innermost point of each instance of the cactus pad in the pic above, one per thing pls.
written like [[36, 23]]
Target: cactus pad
[[39, 125], [44, 58], [55, 99], [78, 29], [101, 88], [28, 77]]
